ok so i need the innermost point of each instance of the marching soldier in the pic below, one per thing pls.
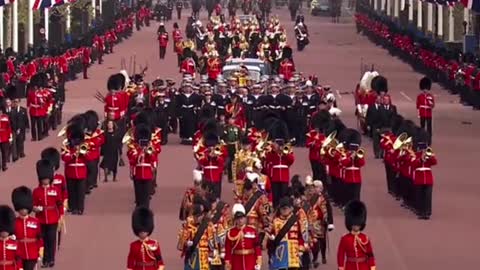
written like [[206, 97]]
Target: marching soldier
[[214, 67], [221, 220], [260, 180], [27, 228], [236, 111], [163, 113], [279, 160], [59, 181], [212, 162], [187, 105], [258, 207], [47, 204], [287, 67], [188, 65], [76, 154], [288, 245], [352, 162], [6, 137], [194, 240], [242, 249], [386, 143], [179, 6], [95, 138], [355, 248], [145, 253], [232, 136], [425, 105], [8, 243], [35, 102], [315, 138], [162, 40], [142, 156], [253, 106], [422, 162]]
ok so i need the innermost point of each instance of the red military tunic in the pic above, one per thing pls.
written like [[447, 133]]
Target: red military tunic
[[75, 164], [422, 171], [35, 103], [48, 200], [386, 143], [242, 251], [9, 258], [212, 167], [314, 144], [213, 68], [352, 165], [145, 255], [237, 113], [142, 164], [287, 68], [425, 104], [355, 253], [279, 166], [176, 35], [86, 56], [5, 129], [61, 184], [95, 141], [163, 39], [29, 237], [115, 104], [188, 67]]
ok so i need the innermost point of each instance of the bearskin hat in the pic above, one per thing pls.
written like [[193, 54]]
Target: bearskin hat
[[45, 169], [209, 125], [142, 221], [175, 25], [3, 66], [22, 198], [114, 83], [396, 122], [92, 120], [137, 78], [287, 52], [421, 138], [321, 120], [285, 202], [42, 79], [355, 215], [187, 52], [336, 125], [408, 127], [269, 118], [278, 130], [52, 154], [123, 79], [142, 132], [211, 139], [76, 134], [7, 219], [79, 120], [425, 83], [379, 84], [143, 118]]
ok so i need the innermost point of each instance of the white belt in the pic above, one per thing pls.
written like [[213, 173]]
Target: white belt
[[187, 106], [221, 107], [144, 165], [425, 106], [279, 166], [275, 107], [210, 167], [423, 169], [352, 168], [76, 164], [312, 107], [113, 108]]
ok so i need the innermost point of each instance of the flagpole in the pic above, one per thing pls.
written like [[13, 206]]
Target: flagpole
[[68, 22], [94, 4], [451, 26], [419, 14], [46, 22], [440, 20], [15, 26], [30, 21]]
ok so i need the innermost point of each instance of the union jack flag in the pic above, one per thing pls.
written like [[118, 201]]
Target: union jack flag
[[41, 4], [5, 2]]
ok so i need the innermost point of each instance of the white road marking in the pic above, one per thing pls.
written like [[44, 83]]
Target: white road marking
[[406, 96], [338, 94]]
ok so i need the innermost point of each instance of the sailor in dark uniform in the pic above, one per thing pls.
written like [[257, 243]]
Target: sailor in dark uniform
[[254, 106], [275, 100], [221, 98], [188, 104], [163, 111]]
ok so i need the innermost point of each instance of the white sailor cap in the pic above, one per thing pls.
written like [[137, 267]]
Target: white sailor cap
[[308, 180], [308, 83], [318, 183], [238, 210]]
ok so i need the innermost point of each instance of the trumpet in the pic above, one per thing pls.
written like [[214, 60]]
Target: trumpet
[[360, 153], [83, 148], [428, 153], [287, 149], [149, 150]]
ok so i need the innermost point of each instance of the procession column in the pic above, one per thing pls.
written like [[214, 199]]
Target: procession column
[[15, 26]]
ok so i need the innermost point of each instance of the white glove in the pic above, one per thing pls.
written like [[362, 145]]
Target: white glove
[[258, 267], [210, 259], [222, 255], [215, 253], [331, 227], [39, 208], [13, 237], [189, 243], [271, 237]]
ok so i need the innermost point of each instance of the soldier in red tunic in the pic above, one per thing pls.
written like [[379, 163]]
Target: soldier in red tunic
[[86, 60], [9, 255], [355, 250], [142, 156], [27, 228], [47, 205], [425, 105], [287, 67], [188, 65], [212, 162], [242, 247], [315, 138], [59, 180], [162, 40], [352, 162], [95, 138], [422, 175], [35, 101], [6, 137], [145, 253]]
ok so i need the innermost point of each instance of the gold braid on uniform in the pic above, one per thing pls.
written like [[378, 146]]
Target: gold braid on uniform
[[146, 249], [236, 238]]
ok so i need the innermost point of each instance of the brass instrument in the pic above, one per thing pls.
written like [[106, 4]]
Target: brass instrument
[[128, 137], [428, 153], [62, 131], [83, 148], [149, 150], [360, 153], [336, 147], [287, 149], [327, 143], [401, 141]]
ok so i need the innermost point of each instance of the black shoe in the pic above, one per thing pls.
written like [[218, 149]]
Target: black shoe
[[316, 264], [51, 264], [45, 265], [88, 191], [324, 261], [121, 163], [80, 212], [95, 186], [22, 155], [4, 168]]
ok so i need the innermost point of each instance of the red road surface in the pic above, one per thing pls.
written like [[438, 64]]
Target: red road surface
[[100, 239]]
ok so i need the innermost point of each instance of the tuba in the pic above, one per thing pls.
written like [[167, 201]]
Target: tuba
[[401, 141], [327, 143]]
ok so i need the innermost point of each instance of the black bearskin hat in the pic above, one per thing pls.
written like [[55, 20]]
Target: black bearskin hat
[[396, 123], [187, 53], [421, 139], [143, 132], [425, 83], [209, 125], [278, 130], [52, 154], [207, 113], [122, 80], [175, 25], [7, 219], [76, 134], [45, 170], [379, 84], [321, 120], [285, 202], [78, 119], [287, 53], [353, 139], [22, 198], [92, 119], [268, 119], [355, 215], [198, 209], [143, 118], [408, 127], [142, 221], [211, 139]]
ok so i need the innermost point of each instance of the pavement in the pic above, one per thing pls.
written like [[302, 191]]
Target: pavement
[[100, 239]]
